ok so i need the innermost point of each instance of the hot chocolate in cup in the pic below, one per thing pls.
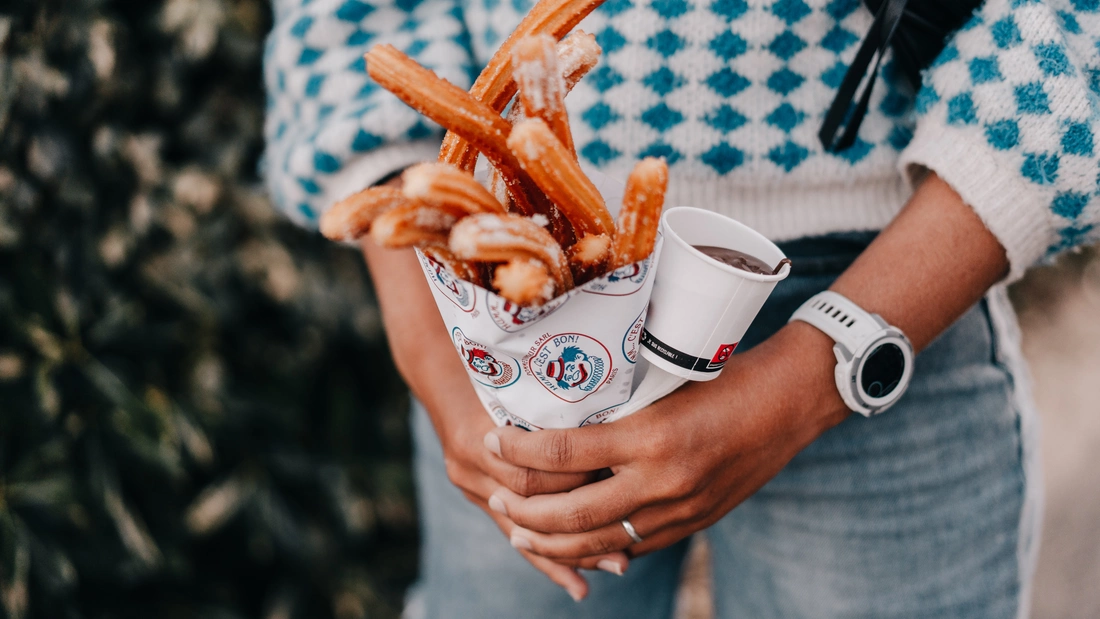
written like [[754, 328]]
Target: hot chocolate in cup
[[702, 306]]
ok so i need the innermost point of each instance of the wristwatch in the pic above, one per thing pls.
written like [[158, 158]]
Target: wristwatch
[[874, 359]]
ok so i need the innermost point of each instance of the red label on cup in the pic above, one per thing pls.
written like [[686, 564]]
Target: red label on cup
[[723, 354]]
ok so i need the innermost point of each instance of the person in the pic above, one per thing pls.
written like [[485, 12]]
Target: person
[[931, 508]]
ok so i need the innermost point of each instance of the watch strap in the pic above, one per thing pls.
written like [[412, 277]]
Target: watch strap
[[839, 318]]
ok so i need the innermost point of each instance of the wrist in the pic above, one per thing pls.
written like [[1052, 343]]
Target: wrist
[[808, 362]]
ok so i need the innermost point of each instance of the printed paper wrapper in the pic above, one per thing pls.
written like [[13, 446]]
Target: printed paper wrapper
[[565, 364]]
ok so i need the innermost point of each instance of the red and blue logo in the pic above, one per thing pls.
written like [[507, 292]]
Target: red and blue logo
[[457, 291], [571, 366], [623, 281], [511, 317], [485, 367]]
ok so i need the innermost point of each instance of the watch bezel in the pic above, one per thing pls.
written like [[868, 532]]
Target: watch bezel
[[889, 335]]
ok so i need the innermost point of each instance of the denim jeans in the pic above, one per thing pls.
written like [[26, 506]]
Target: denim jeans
[[928, 510]]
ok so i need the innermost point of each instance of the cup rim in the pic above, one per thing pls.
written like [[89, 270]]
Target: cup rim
[[675, 237]]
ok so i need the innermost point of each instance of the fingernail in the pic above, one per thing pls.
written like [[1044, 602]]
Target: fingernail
[[576, 594], [608, 565], [520, 542], [492, 443], [497, 505]]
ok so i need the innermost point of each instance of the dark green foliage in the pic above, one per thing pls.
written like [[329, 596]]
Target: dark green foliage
[[198, 415]]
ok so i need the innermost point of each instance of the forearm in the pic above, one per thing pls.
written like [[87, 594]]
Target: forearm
[[418, 338], [932, 263]]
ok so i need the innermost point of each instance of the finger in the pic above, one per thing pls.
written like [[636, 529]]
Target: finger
[[560, 574], [613, 562], [526, 481], [578, 511], [649, 523], [575, 450]]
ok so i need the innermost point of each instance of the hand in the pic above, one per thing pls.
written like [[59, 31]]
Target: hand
[[478, 473], [426, 359], [680, 464]]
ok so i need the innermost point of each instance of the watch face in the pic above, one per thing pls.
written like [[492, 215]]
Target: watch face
[[882, 370]]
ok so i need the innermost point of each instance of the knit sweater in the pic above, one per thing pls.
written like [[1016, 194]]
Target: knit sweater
[[731, 93]]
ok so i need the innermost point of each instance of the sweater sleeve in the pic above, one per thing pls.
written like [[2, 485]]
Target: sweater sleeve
[[1008, 116], [329, 129]]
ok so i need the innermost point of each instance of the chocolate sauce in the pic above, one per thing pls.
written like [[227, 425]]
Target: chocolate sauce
[[739, 259]]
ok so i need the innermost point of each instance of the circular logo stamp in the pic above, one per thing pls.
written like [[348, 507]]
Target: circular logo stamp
[[571, 366], [486, 368], [457, 291], [633, 338], [623, 281], [600, 416], [511, 317]]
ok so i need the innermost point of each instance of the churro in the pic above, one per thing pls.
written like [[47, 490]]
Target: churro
[[643, 199], [588, 258], [578, 54], [447, 187], [540, 84], [524, 282], [452, 108], [457, 111], [495, 86], [351, 217], [504, 238], [555, 171], [413, 224]]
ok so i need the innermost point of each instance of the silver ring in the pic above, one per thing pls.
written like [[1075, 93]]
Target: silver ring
[[631, 532]]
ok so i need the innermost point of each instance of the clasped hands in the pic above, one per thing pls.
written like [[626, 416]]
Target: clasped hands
[[677, 466]]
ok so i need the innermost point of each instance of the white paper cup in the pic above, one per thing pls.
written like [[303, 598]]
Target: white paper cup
[[701, 308]]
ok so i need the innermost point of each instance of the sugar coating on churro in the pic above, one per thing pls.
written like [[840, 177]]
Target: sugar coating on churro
[[556, 172], [538, 78], [578, 53], [591, 249], [495, 86], [448, 187], [503, 238], [643, 199], [412, 225], [525, 282]]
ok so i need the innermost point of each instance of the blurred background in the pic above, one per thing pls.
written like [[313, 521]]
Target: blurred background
[[198, 415]]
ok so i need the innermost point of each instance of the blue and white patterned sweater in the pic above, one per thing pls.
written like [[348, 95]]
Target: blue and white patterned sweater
[[731, 93]]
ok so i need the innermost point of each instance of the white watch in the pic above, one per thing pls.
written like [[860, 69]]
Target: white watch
[[874, 359]]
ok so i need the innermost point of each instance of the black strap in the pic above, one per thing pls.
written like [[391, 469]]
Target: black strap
[[874, 45]]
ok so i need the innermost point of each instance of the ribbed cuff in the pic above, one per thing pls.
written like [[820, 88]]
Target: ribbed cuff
[[1011, 209], [369, 168]]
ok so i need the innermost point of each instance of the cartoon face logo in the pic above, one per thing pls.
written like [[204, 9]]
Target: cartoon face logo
[[511, 317], [571, 366], [486, 368], [457, 291], [628, 273], [633, 337], [625, 280], [483, 363]]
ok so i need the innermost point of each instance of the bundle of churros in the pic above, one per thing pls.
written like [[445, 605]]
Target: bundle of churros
[[539, 226]]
